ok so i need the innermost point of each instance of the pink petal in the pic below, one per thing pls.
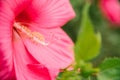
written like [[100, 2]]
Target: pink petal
[[111, 9], [27, 68], [57, 54], [45, 73], [8, 8], [50, 13]]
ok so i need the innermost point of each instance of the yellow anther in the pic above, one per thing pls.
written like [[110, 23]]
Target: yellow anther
[[34, 36]]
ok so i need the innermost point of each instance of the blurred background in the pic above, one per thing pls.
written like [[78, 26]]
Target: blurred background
[[110, 32]]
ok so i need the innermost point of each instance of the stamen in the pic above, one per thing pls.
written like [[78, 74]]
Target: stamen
[[34, 36]]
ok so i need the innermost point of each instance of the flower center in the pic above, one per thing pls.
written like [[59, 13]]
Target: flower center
[[33, 35]]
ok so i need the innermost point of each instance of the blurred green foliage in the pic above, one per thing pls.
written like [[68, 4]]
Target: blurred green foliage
[[110, 69], [87, 30], [88, 42], [110, 33]]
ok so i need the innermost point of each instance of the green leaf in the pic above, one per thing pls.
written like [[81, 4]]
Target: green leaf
[[110, 63], [110, 69], [69, 75], [88, 43]]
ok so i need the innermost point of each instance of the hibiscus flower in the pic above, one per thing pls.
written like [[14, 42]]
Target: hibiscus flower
[[111, 9], [32, 44]]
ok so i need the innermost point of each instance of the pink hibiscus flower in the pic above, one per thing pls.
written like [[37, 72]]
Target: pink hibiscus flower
[[32, 44], [111, 9]]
